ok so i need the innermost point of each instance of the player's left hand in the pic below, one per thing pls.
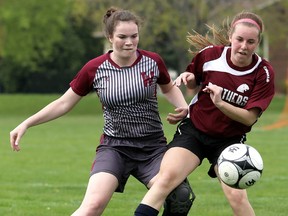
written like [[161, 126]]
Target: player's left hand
[[174, 118]]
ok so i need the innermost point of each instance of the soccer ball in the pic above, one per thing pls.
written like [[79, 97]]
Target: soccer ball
[[240, 166]]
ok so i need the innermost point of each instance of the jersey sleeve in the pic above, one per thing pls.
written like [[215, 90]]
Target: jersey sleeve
[[197, 71], [164, 77], [196, 65], [82, 84], [264, 89]]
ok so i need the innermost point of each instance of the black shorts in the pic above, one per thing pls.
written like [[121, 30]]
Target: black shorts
[[123, 161], [201, 144]]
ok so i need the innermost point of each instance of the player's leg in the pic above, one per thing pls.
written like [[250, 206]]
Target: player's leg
[[177, 163], [237, 199], [179, 201], [99, 191], [182, 157], [107, 176]]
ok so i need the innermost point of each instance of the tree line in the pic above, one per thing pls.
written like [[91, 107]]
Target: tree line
[[43, 44]]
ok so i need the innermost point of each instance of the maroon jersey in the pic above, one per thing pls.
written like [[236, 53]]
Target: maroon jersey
[[128, 94], [245, 87]]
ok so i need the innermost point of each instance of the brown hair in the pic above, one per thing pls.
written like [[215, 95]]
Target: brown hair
[[247, 16], [114, 15], [220, 36]]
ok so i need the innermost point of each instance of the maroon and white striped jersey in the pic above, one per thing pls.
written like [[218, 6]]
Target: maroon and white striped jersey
[[128, 94], [246, 87]]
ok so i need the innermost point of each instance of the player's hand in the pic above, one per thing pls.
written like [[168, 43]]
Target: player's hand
[[184, 78], [174, 118], [15, 136], [215, 93]]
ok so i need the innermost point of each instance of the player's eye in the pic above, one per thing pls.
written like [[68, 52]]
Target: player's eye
[[122, 36], [251, 41], [239, 39]]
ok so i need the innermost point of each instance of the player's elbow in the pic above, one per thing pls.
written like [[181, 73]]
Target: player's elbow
[[249, 123], [252, 117]]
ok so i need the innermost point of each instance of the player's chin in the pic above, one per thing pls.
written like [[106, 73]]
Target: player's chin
[[128, 52]]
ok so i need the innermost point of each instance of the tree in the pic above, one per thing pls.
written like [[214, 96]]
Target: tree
[[44, 44], [31, 28], [48, 41], [166, 23]]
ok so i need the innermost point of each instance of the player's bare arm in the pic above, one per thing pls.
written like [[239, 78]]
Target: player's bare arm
[[52, 111], [186, 78], [246, 117], [175, 97]]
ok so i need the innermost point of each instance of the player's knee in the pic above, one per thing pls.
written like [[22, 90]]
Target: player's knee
[[180, 200], [166, 181], [92, 208], [237, 198]]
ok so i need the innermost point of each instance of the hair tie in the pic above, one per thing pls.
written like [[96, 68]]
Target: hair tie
[[247, 20]]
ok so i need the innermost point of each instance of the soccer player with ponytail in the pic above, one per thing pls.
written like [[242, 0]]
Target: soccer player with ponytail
[[235, 86]]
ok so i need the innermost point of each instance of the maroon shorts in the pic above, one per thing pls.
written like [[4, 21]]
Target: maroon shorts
[[115, 157]]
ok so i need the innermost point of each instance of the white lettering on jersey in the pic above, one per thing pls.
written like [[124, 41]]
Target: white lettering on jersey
[[267, 74], [234, 97]]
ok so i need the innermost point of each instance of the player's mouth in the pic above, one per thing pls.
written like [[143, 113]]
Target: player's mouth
[[243, 53], [129, 49]]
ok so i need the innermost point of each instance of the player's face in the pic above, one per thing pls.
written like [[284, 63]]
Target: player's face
[[125, 39], [244, 41]]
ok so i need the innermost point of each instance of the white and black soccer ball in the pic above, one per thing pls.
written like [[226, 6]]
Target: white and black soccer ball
[[240, 166]]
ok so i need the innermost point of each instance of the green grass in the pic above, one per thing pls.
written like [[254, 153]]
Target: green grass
[[49, 175]]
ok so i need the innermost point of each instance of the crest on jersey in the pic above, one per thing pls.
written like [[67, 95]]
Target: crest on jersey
[[148, 80], [242, 88]]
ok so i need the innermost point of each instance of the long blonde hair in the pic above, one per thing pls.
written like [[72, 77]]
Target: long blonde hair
[[220, 36]]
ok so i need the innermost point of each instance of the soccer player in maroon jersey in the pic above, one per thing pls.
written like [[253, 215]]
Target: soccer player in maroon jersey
[[236, 86], [133, 143]]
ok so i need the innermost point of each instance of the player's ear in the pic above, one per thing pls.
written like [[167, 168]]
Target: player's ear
[[110, 38], [230, 32], [230, 39]]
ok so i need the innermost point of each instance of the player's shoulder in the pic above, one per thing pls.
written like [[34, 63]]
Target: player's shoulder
[[98, 60], [211, 52], [267, 64], [266, 67], [264, 70], [213, 49], [149, 54]]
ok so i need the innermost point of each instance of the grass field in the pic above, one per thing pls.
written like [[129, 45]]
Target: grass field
[[48, 176]]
